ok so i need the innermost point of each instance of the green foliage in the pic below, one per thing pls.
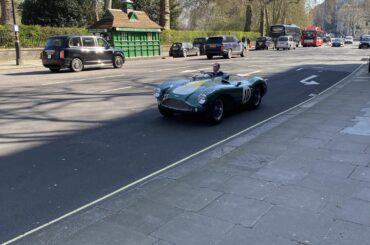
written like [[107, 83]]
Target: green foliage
[[34, 36], [61, 13], [169, 37]]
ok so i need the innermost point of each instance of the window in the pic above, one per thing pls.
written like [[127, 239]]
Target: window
[[101, 42], [150, 36], [54, 42], [88, 42], [75, 42]]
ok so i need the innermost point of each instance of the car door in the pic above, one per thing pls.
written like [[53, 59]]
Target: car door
[[88, 50], [192, 49], [104, 51]]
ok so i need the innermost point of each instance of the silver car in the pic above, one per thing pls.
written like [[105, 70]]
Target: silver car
[[285, 42]]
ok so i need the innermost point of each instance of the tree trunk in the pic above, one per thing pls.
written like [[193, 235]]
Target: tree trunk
[[6, 12], [107, 4], [165, 14], [95, 10], [262, 21], [248, 19]]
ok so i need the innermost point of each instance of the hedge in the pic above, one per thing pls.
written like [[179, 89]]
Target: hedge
[[35, 36]]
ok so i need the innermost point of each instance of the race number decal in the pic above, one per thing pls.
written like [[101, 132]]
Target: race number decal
[[246, 94]]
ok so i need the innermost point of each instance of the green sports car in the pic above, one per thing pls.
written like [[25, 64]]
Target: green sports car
[[211, 96]]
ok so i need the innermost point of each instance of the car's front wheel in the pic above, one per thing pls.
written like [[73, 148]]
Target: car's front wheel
[[118, 61], [229, 54], [256, 98], [165, 112], [209, 56], [215, 113], [77, 65]]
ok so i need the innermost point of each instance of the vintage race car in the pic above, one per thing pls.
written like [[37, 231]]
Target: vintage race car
[[211, 96]]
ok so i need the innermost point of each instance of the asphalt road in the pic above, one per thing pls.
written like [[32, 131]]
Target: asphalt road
[[67, 139]]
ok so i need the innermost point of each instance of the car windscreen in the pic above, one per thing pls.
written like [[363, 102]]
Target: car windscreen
[[55, 43], [277, 29], [217, 40], [261, 39], [308, 34], [199, 40], [337, 40], [283, 39], [176, 45], [365, 39]]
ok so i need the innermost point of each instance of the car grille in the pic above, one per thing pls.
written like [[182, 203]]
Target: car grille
[[176, 105]]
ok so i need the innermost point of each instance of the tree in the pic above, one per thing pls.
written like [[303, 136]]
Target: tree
[[107, 4], [6, 12], [165, 14], [63, 13]]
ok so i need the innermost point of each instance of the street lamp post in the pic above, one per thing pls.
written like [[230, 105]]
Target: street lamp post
[[17, 42]]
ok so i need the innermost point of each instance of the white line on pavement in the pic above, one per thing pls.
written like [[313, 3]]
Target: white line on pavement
[[299, 69], [249, 73], [80, 80], [306, 80], [171, 166], [110, 90]]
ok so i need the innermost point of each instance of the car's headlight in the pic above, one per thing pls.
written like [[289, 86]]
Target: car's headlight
[[157, 92], [202, 99]]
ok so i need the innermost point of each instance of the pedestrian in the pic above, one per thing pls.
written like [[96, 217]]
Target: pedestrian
[[248, 43]]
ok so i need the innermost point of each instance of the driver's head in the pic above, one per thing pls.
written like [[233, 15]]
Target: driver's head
[[216, 67]]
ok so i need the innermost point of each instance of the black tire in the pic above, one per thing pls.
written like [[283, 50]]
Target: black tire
[[184, 54], [209, 56], [229, 54], [277, 49], [165, 112], [369, 67], [77, 65], [215, 113], [55, 70], [244, 53], [118, 61], [256, 98]]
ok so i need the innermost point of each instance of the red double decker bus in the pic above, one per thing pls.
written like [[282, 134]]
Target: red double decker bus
[[312, 36]]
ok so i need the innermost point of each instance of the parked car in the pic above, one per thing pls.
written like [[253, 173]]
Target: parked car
[[77, 52], [364, 42], [264, 43], [200, 42], [337, 42], [210, 96], [183, 50], [225, 46], [348, 40], [285, 42]]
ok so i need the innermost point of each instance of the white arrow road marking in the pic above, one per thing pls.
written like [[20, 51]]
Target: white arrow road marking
[[248, 74], [312, 95], [110, 90], [299, 69], [305, 81]]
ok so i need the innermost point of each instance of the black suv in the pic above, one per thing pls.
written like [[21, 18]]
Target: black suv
[[76, 52], [200, 42], [225, 46]]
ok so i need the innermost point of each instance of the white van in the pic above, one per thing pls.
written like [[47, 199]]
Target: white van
[[285, 42]]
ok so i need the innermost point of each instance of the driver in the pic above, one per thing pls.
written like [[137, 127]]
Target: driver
[[216, 71]]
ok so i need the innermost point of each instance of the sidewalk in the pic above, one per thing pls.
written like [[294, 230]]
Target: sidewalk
[[300, 178]]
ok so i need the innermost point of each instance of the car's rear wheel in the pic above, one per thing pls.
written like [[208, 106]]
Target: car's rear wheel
[[165, 112], [77, 65], [244, 53], [209, 56], [118, 61], [54, 69], [256, 98], [215, 113], [229, 54]]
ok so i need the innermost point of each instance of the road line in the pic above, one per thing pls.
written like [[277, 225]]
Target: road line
[[80, 80], [249, 73], [299, 69], [110, 90], [304, 81], [172, 165]]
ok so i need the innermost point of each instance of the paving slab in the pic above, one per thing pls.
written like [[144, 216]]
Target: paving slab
[[190, 228], [352, 210], [298, 197], [249, 161], [284, 176], [237, 210], [205, 178], [302, 226], [363, 194], [361, 173], [248, 187], [345, 233]]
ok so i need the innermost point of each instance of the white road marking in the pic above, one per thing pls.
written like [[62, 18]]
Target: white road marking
[[171, 166], [299, 69], [80, 80], [312, 95], [249, 73], [317, 67], [190, 71], [110, 90], [307, 82]]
